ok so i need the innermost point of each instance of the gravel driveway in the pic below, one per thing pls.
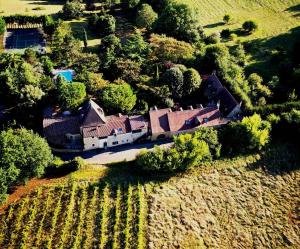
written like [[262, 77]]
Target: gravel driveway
[[116, 154]]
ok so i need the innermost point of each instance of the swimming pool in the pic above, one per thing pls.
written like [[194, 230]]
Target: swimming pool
[[67, 74]]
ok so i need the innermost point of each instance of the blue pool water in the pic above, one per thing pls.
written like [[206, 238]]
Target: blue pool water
[[67, 74]]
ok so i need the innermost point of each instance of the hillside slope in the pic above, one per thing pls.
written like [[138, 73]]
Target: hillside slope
[[274, 16]]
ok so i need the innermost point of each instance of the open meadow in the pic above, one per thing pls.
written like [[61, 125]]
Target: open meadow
[[273, 16]]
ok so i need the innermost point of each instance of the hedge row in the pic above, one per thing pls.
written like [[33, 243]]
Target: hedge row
[[25, 19], [275, 108]]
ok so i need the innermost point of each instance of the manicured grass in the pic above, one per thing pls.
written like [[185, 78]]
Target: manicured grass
[[10, 7]]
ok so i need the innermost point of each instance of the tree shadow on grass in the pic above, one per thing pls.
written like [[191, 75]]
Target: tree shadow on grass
[[45, 2], [262, 51], [294, 9], [278, 159], [129, 173], [213, 25]]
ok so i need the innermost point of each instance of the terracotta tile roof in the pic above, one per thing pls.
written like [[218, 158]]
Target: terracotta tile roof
[[187, 119], [138, 122], [114, 124], [159, 120]]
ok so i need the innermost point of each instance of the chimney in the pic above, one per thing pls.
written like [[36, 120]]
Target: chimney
[[214, 72], [155, 108], [180, 109], [120, 114], [218, 105], [190, 107], [170, 110]]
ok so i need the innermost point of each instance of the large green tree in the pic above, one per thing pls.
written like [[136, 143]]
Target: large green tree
[[118, 97], [23, 154], [180, 21], [173, 78], [71, 95], [146, 16], [72, 9], [251, 134]]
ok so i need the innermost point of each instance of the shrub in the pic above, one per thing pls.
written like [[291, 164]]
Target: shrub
[[250, 26], [251, 134], [2, 26], [214, 38], [225, 33], [186, 152], [72, 10], [146, 17], [227, 18]]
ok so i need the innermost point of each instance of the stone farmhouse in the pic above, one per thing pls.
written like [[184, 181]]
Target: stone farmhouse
[[91, 129]]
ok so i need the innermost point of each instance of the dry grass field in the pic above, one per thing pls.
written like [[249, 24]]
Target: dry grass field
[[29, 7], [246, 202]]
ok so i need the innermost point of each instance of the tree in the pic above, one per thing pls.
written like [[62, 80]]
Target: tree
[[93, 81], [135, 47], [85, 38], [186, 152], [71, 95], [30, 56], [250, 26], [118, 97], [2, 26], [31, 94], [251, 134], [146, 17], [65, 48], [192, 81], [90, 4], [169, 49], [210, 136], [258, 90], [24, 154], [109, 49], [104, 25], [180, 21], [72, 10], [130, 4], [173, 78], [127, 70], [227, 18]]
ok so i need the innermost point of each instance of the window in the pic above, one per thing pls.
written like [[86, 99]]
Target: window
[[93, 145], [115, 142], [137, 131], [206, 120], [120, 130], [187, 122], [92, 136]]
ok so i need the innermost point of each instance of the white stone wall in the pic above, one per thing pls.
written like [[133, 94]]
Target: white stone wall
[[91, 143]]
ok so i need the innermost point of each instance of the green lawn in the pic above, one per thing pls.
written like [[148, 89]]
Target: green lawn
[[278, 22], [273, 16], [10, 7]]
